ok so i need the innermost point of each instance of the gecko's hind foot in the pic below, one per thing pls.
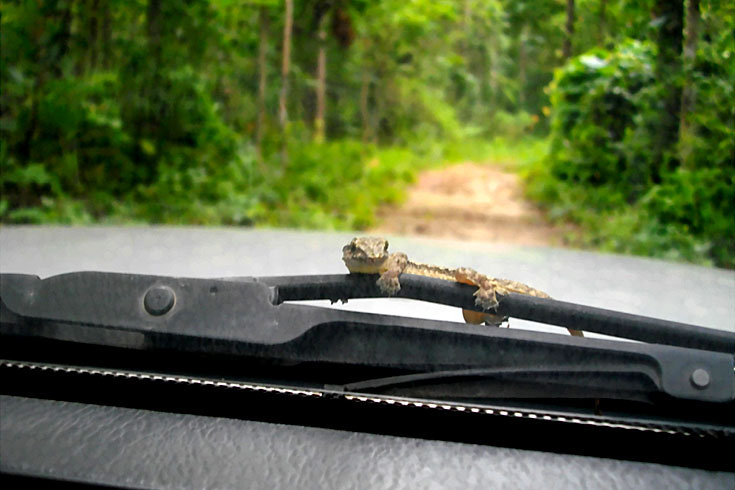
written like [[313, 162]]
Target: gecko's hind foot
[[495, 320]]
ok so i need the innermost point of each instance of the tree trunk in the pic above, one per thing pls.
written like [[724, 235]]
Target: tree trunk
[[668, 71], [493, 70], [262, 81], [692, 30], [465, 26], [364, 109], [321, 80], [568, 31], [688, 95], [285, 64], [49, 49], [522, 67], [93, 34], [602, 27], [153, 28], [285, 67], [106, 26], [151, 88], [63, 37], [472, 63]]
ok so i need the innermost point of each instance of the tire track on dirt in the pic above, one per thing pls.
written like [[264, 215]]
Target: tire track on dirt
[[469, 201]]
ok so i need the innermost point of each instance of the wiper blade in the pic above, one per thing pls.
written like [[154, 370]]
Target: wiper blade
[[617, 382]]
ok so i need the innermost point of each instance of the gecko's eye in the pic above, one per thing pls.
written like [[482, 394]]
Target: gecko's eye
[[385, 246]]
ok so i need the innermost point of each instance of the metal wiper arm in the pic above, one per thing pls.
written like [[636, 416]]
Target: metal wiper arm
[[542, 310], [247, 318]]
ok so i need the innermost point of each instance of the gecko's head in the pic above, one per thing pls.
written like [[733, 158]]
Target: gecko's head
[[365, 254]]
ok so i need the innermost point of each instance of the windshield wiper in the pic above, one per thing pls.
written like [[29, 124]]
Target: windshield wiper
[[238, 348], [243, 324]]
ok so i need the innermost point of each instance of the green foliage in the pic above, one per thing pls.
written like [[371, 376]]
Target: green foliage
[[601, 100], [336, 185], [601, 171]]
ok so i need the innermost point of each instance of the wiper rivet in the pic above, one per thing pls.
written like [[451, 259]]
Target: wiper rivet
[[700, 378], [159, 300]]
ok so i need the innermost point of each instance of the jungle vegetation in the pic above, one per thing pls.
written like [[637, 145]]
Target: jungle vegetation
[[311, 113]]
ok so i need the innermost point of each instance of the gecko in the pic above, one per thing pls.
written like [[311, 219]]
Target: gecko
[[369, 255]]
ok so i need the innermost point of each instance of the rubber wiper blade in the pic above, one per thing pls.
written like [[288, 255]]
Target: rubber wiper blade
[[518, 382]]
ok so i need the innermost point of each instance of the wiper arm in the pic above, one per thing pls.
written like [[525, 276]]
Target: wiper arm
[[542, 310]]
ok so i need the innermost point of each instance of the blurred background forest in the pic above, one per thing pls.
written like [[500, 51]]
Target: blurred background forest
[[618, 114]]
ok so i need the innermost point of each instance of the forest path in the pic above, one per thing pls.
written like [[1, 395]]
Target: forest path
[[469, 201]]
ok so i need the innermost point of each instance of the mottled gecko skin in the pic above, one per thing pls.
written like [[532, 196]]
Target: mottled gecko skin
[[369, 255]]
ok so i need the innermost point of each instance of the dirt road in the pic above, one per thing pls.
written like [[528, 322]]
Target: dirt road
[[469, 201]]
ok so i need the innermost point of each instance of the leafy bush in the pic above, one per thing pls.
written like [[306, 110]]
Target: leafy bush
[[601, 172], [600, 102], [77, 142], [513, 126], [336, 185]]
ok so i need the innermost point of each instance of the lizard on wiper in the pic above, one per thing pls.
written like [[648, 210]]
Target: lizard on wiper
[[369, 255]]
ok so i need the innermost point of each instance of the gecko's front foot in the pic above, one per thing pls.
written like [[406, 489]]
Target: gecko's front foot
[[389, 283], [394, 267]]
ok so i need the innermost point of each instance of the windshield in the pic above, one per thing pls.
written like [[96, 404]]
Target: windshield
[[277, 231]]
